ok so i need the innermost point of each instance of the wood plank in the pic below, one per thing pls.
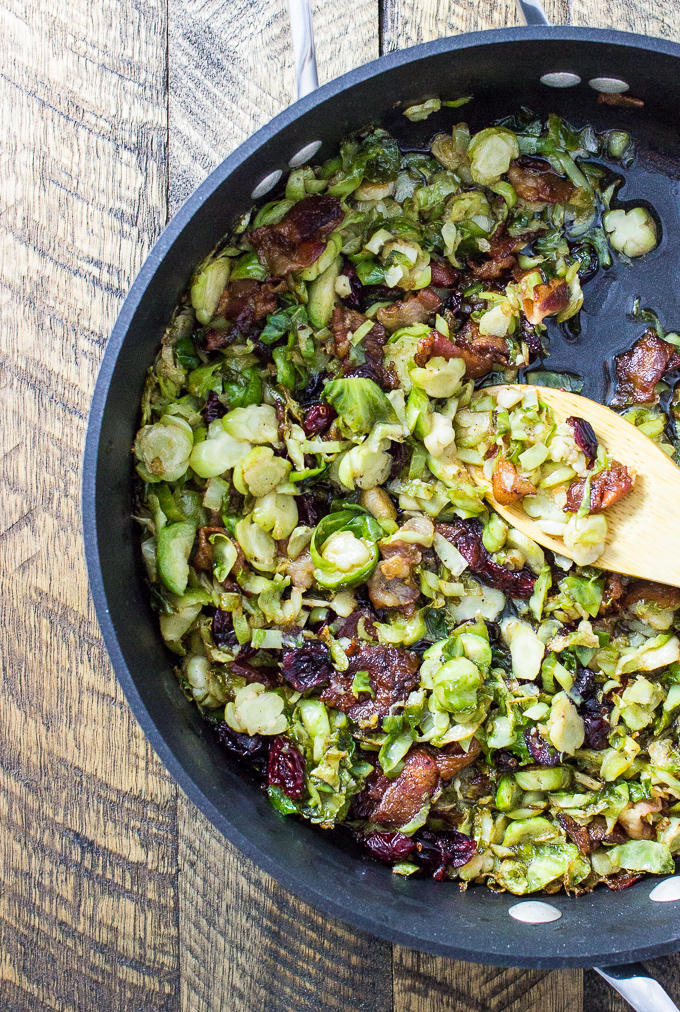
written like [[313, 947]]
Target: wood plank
[[88, 815], [231, 70], [425, 983], [247, 945]]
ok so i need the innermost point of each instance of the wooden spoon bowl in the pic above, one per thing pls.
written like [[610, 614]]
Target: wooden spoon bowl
[[641, 539]]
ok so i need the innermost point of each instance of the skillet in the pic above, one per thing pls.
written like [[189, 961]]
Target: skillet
[[503, 70]]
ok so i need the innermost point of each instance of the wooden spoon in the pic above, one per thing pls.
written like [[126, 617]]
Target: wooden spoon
[[642, 539]]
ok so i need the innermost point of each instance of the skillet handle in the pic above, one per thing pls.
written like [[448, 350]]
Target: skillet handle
[[532, 11], [302, 30], [638, 987]]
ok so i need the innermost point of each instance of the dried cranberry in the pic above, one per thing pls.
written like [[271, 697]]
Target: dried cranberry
[[596, 723], [583, 684], [442, 850], [539, 749], [306, 667], [318, 419], [286, 768], [214, 408], [504, 760], [223, 630], [244, 746], [312, 506], [251, 672], [389, 847], [398, 453], [454, 302], [532, 339], [466, 535], [584, 437]]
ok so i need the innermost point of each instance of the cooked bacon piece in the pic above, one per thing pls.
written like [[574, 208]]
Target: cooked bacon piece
[[480, 353], [579, 834], [392, 584], [613, 591], [393, 673], [501, 253], [648, 590], [296, 241], [345, 322], [404, 797], [597, 831], [508, 486], [443, 274], [548, 300], [623, 879], [451, 759], [634, 819], [243, 303], [202, 558], [606, 488], [640, 369], [534, 180], [405, 312], [466, 535]]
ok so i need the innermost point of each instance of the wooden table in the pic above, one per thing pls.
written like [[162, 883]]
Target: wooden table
[[116, 892]]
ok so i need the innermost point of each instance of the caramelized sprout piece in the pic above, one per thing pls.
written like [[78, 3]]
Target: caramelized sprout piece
[[163, 450]]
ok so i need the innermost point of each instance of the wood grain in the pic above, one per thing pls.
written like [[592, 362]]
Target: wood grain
[[248, 945], [231, 69], [88, 814], [117, 894]]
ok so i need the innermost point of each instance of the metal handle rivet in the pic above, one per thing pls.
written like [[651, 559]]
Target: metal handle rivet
[[267, 184], [304, 154], [535, 912], [608, 85], [562, 79]]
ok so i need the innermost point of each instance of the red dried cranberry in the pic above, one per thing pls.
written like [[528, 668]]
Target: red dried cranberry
[[398, 453], [539, 749], [532, 339], [583, 684], [504, 760], [214, 408], [306, 667], [442, 850], [318, 419], [286, 767], [251, 672], [223, 630], [244, 746], [312, 506], [596, 723], [454, 303], [466, 535], [584, 437], [389, 847]]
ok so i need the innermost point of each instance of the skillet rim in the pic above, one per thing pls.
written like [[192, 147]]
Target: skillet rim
[[293, 880]]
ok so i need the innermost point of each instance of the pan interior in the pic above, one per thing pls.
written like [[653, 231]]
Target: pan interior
[[502, 70]]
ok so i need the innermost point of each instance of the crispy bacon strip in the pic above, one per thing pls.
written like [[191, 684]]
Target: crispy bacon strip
[[606, 488], [640, 369], [405, 312], [534, 180], [508, 486], [548, 300], [296, 241]]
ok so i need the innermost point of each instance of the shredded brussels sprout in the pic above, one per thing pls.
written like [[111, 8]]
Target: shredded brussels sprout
[[345, 608]]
